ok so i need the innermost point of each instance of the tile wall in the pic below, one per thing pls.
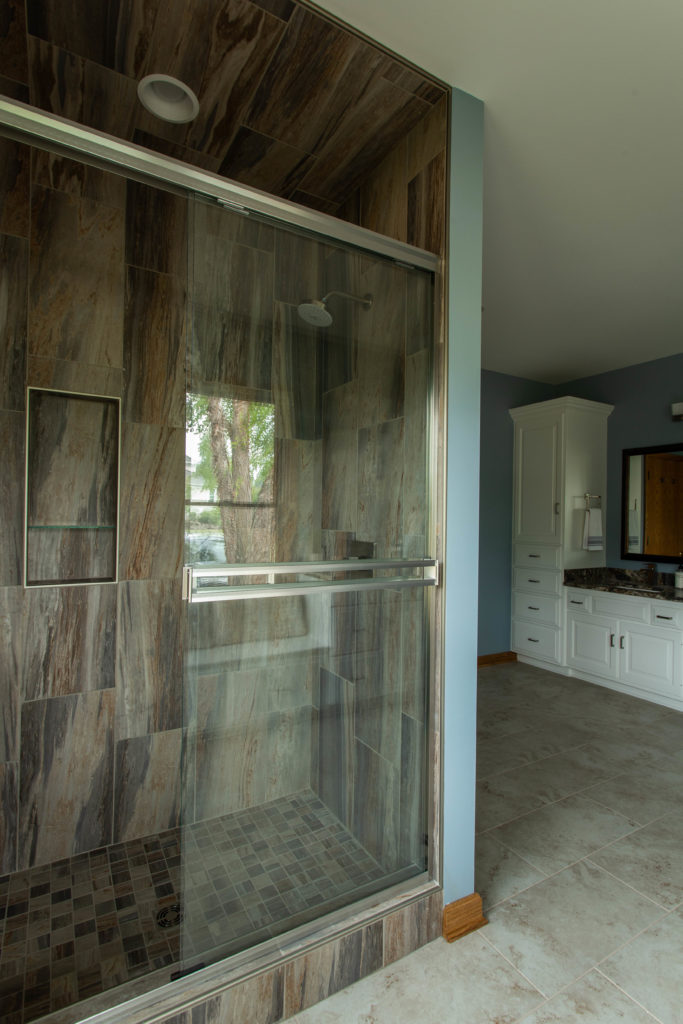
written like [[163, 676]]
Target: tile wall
[[91, 675]]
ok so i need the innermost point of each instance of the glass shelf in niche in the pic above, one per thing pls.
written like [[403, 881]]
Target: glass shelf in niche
[[72, 471], [70, 526]]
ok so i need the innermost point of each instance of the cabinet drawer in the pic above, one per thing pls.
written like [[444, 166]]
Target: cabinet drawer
[[579, 601], [536, 556], [543, 580], [536, 607], [666, 614], [635, 608], [542, 642]]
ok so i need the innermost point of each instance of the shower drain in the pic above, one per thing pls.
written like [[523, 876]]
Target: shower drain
[[169, 917]]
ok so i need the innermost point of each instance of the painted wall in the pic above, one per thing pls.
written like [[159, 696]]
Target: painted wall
[[462, 489], [642, 396]]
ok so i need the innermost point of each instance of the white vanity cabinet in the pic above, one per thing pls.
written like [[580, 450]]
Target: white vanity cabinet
[[560, 454], [631, 643]]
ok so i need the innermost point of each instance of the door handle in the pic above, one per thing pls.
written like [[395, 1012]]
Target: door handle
[[611, 639], [621, 643]]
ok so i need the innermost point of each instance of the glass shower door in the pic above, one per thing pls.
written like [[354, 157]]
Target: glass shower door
[[307, 580]]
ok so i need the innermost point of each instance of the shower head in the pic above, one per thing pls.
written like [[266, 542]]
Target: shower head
[[316, 314]]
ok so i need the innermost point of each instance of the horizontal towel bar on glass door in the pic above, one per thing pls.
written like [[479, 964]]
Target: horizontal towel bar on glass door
[[201, 585]]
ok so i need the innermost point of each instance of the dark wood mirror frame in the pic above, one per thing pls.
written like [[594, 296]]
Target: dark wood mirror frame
[[660, 523]]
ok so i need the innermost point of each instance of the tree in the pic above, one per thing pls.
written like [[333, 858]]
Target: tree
[[236, 446]]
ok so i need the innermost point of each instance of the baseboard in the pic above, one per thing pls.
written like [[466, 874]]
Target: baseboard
[[462, 916], [496, 659]]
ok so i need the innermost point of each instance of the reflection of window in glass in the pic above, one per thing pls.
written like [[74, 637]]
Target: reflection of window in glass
[[229, 480]]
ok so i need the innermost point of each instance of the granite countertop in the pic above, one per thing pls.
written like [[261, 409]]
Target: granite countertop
[[632, 582]]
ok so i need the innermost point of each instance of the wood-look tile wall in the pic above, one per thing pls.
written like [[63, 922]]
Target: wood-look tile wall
[[290, 101], [91, 675], [284, 991]]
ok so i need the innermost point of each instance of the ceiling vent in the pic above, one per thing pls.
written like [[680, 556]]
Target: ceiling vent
[[168, 98]]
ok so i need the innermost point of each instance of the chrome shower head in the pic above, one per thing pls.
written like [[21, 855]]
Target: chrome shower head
[[316, 314]]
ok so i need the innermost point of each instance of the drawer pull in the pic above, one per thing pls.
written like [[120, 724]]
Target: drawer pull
[[532, 641], [533, 608], [534, 556], [533, 581], [572, 601], [667, 617]]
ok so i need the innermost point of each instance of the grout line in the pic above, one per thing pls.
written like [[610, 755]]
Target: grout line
[[627, 994]]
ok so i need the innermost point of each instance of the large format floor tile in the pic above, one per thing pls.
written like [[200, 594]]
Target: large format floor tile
[[500, 873], [557, 930], [650, 860], [591, 998], [644, 794], [561, 833], [650, 968], [463, 983]]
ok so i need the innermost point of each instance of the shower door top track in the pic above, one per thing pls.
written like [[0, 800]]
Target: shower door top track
[[32, 125]]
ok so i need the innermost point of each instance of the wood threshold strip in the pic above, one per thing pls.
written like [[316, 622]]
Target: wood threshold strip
[[463, 916], [496, 659]]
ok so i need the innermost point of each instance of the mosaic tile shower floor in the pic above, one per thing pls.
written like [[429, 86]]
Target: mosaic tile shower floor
[[77, 927]]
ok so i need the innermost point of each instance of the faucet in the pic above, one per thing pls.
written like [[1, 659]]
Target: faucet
[[650, 574]]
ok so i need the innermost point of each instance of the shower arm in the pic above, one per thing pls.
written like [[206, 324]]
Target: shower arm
[[365, 300]]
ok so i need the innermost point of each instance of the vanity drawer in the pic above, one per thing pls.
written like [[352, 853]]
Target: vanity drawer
[[543, 580], [619, 607], [537, 641], [536, 556], [536, 608], [579, 601], [666, 614]]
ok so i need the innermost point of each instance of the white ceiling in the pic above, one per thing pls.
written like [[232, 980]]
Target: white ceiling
[[583, 169]]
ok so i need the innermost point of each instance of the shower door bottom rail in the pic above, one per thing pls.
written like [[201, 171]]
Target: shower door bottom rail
[[206, 585]]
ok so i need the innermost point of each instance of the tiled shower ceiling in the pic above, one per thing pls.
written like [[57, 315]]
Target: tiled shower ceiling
[[289, 102]]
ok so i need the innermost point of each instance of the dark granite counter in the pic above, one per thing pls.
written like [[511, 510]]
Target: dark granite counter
[[632, 582]]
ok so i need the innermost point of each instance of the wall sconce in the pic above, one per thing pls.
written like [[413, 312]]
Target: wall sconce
[[677, 411]]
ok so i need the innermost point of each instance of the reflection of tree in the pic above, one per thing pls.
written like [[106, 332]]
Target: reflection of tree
[[236, 463]]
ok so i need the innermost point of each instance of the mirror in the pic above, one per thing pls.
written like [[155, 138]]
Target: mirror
[[652, 503]]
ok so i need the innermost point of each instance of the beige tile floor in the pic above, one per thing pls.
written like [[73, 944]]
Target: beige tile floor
[[579, 862]]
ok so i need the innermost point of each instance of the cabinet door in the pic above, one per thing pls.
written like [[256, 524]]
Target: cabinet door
[[592, 644], [650, 658], [537, 497]]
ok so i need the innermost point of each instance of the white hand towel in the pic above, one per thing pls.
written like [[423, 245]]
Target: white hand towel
[[592, 530]]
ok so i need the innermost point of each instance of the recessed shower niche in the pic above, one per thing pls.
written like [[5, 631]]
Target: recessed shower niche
[[72, 469]]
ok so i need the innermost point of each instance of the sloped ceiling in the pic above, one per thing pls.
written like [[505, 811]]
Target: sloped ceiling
[[583, 183], [289, 102]]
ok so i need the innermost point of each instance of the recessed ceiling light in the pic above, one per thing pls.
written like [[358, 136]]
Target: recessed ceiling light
[[168, 98]]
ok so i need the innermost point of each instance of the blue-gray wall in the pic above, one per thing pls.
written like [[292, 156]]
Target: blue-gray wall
[[462, 479], [641, 395]]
